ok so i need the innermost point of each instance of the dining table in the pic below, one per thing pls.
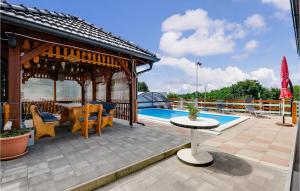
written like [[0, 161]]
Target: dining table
[[67, 113]]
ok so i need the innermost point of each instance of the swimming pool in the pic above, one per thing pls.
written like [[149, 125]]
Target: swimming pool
[[165, 115]]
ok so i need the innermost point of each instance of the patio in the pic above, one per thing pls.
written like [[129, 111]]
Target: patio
[[67, 160]]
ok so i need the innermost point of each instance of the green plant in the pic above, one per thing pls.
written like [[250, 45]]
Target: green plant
[[192, 110], [14, 132]]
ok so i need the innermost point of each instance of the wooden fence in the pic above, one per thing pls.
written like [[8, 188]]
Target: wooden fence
[[122, 108], [271, 106]]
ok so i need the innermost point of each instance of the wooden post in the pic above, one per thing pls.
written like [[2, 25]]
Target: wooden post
[[108, 90], [82, 94], [14, 85], [294, 113], [54, 96], [132, 96], [94, 90]]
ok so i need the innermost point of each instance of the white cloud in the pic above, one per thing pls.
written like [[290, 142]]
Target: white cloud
[[214, 77], [208, 36], [240, 57], [281, 15], [265, 76], [283, 5], [256, 22], [249, 47]]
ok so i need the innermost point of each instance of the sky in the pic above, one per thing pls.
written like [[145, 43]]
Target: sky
[[233, 39]]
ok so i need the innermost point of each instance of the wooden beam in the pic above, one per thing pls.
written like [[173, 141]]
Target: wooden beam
[[108, 89], [83, 94], [14, 85], [132, 96], [94, 90], [125, 69], [35, 52], [54, 95]]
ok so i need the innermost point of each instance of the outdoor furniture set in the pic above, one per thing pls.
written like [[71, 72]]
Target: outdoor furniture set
[[95, 115]]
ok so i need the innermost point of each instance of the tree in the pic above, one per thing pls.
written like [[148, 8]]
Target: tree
[[297, 92], [241, 90], [142, 87]]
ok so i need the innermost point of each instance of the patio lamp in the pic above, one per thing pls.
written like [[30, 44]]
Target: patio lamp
[[196, 100]]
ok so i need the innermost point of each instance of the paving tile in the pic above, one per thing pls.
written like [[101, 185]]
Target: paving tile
[[275, 160], [46, 185], [250, 154], [15, 184], [280, 148], [39, 179], [229, 148]]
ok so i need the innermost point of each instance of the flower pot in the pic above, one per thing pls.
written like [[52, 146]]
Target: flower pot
[[193, 117], [13, 147]]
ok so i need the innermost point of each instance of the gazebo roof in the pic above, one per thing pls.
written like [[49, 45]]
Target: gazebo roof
[[69, 26]]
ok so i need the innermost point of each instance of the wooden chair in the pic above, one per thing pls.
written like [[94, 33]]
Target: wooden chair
[[89, 117], [42, 127], [77, 113], [107, 117], [107, 114], [6, 111]]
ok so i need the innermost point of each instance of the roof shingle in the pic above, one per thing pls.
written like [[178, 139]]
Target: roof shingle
[[71, 24]]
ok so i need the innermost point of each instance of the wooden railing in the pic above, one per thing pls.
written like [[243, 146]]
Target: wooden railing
[[123, 111], [122, 108], [271, 106]]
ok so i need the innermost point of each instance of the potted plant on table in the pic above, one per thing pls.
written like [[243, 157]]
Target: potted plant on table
[[193, 111]]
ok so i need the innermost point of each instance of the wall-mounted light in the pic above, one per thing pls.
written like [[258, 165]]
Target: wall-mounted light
[[53, 67], [38, 65], [72, 69]]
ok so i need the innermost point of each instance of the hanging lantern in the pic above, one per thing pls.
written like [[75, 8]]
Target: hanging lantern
[[27, 65], [63, 65], [36, 59]]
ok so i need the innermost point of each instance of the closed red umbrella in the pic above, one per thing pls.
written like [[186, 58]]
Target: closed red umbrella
[[285, 93], [285, 81]]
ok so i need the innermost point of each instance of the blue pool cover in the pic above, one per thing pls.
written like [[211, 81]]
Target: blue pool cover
[[168, 114]]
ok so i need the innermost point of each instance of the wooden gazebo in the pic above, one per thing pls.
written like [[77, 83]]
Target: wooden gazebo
[[38, 43]]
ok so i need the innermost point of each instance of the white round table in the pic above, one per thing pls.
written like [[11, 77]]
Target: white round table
[[191, 155]]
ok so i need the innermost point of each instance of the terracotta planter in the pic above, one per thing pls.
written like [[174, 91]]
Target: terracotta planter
[[13, 147], [193, 117]]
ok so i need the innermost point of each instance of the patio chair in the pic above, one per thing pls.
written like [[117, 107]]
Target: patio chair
[[220, 106], [251, 109], [43, 123], [108, 113], [90, 116]]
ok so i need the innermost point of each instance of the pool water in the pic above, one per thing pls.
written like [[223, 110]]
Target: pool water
[[167, 114]]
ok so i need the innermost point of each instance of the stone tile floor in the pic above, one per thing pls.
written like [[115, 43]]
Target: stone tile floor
[[227, 173], [67, 160], [246, 157], [256, 139]]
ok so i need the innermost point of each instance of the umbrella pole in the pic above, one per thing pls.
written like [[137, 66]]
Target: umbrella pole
[[283, 119]]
